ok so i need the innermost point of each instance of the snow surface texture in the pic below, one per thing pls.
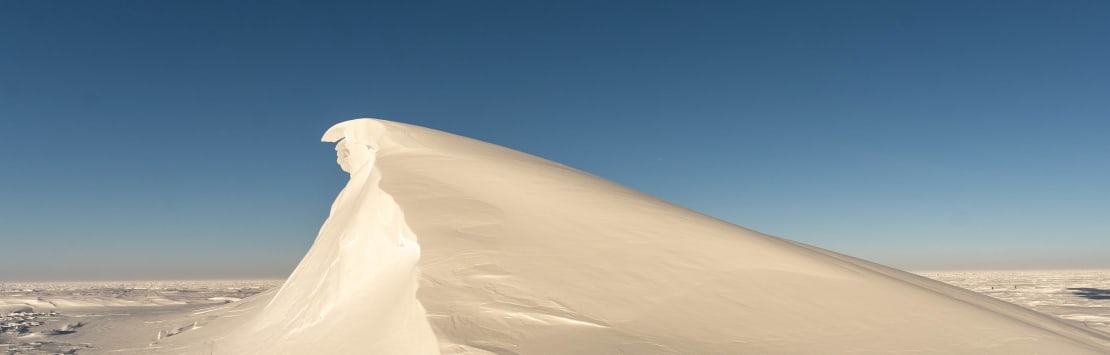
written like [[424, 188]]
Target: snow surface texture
[[520, 255]]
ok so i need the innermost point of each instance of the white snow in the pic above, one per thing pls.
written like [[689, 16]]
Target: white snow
[[518, 254], [355, 290]]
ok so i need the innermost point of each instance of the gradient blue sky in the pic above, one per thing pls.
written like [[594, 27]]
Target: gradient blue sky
[[158, 139]]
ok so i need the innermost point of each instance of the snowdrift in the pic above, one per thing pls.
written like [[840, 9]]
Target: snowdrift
[[519, 255]]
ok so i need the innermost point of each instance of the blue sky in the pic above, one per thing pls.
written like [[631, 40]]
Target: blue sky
[[158, 139]]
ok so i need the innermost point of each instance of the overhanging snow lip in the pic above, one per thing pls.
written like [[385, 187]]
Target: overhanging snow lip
[[347, 129]]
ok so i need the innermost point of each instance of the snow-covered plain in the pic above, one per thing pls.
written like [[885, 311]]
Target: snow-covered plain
[[1078, 295], [106, 327], [514, 254], [106, 317]]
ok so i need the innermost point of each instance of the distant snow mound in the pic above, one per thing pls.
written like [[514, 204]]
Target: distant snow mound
[[521, 255], [15, 308]]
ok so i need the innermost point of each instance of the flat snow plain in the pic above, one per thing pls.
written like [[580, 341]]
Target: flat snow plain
[[117, 316], [1075, 295]]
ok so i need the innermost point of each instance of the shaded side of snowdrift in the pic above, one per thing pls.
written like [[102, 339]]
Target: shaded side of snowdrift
[[524, 255], [355, 290]]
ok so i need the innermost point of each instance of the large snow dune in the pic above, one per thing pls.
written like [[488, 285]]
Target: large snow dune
[[521, 255]]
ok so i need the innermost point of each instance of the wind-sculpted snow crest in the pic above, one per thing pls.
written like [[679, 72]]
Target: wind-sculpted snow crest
[[521, 255]]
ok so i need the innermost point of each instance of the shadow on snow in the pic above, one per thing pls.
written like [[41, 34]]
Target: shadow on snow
[[1091, 293]]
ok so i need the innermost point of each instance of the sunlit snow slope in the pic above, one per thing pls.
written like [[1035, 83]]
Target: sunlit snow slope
[[518, 254]]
